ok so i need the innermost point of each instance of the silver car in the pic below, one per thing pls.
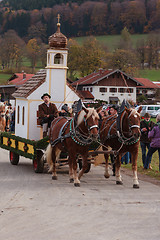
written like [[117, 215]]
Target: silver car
[[155, 113]]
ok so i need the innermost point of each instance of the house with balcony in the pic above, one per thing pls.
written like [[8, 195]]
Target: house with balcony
[[109, 85]]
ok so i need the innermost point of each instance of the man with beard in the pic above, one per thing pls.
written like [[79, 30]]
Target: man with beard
[[47, 112]]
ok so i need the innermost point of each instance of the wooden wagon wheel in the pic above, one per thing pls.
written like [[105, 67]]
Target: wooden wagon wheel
[[38, 162], [14, 158]]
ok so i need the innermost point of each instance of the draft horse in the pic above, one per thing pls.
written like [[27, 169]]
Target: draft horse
[[2, 117], [5, 117], [122, 133], [74, 136]]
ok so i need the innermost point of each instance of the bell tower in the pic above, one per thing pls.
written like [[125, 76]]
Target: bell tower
[[57, 66]]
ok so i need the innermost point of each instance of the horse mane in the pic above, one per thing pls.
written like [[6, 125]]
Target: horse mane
[[82, 114], [2, 104], [134, 111]]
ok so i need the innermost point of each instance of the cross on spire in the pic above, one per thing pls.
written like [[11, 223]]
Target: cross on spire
[[58, 17]]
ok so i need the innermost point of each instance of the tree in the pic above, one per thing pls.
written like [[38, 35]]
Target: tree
[[153, 46], [37, 31], [33, 51], [125, 41], [141, 51], [74, 58], [124, 60], [134, 16], [42, 54], [91, 56], [12, 49]]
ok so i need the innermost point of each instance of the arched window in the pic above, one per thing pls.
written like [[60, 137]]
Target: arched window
[[58, 59], [18, 115], [23, 116]]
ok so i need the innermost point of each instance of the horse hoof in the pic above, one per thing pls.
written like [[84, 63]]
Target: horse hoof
[[106, 175], [119, 182], [54, 177], [135, 186], [77, 184], [71, 180]]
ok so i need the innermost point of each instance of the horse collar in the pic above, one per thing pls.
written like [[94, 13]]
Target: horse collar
[[77, 136]]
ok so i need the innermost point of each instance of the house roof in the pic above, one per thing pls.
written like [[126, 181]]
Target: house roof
[[86, 94], [76, 91], [95, 77], [146, 83], [31, 85], [157, 83], [19, 78]]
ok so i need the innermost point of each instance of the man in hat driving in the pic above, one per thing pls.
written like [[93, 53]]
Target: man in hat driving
[[47, 112]]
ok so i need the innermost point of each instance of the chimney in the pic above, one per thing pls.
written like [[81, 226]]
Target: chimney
[[100, 71], [24, 75]]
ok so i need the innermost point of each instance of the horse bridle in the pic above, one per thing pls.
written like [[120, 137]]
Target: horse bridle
[[122, 138], [132, 126], [90, 127]]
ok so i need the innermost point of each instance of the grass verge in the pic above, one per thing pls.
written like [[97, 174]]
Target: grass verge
[[154, 173]]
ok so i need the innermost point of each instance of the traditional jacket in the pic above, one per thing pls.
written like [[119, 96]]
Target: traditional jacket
[[144, 135], [44, 110], [154, 134]]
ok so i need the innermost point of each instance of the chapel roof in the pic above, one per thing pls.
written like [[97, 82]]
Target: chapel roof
[[31, 85], [58, 40]]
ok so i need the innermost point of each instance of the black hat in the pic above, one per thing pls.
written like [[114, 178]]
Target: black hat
[[114, 106], [65, 107], [45, 94]]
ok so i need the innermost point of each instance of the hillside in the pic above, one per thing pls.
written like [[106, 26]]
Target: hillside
[[34, 4], [32, 18]]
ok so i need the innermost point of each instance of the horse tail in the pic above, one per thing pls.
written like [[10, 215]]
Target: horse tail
[[49, 157]]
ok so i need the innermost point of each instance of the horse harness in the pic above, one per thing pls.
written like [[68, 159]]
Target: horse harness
[[74, 133], [118, 119]]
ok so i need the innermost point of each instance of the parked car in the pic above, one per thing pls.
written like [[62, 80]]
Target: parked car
[[155, 113], [148, 109]]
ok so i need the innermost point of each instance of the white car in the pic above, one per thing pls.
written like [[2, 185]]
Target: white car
[[155, 113]]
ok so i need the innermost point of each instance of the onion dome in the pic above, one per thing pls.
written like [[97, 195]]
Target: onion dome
[[57, 40]]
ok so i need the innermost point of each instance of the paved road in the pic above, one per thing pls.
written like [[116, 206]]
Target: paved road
[[34, 207]]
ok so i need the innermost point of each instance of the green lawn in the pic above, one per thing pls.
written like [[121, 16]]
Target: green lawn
[[154, 163], [112, 40], [4, 78], [153, 75]]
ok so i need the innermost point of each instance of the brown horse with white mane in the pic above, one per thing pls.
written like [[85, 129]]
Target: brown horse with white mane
[[122, 134], [2, 117], [73, 135]]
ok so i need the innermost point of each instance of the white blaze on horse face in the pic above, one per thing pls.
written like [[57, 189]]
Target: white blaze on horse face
[[135, 116]]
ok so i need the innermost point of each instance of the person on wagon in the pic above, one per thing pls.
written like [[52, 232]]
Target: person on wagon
[[47, 112], [145, 126], [154, 135], [65, 111]]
